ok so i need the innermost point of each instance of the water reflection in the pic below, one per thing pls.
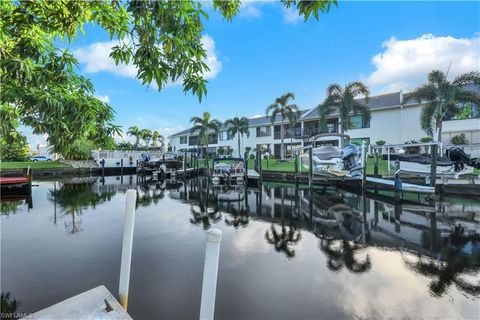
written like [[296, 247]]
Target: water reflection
[[9, 306], [437, 241]]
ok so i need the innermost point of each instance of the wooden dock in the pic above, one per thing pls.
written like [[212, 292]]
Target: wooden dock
[[253, 175], [87, 305], [408, 187]]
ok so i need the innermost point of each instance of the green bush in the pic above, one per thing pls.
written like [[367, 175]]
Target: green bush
[[252, 156], [17, 151], [426, 139], [380, 142], [459, 139]]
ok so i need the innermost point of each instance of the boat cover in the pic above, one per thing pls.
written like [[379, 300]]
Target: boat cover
[[327, 152], [418, 158]]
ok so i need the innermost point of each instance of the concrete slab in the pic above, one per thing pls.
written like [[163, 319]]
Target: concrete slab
[[87, 305]]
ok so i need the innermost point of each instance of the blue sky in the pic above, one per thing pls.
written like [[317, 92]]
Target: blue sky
[[266, 51]]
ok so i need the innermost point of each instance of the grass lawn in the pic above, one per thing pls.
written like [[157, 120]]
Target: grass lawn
[[32, 164]]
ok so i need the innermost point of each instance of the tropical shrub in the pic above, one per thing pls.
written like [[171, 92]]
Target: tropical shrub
[[380, 142], [459, 139]]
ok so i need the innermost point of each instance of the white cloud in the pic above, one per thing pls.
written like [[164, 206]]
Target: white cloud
[[96, 58], [104, 99], [291, 16], [256, 116], [250, 9], [404, 64]]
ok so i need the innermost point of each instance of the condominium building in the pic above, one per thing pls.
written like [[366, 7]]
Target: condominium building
[[393, 120]]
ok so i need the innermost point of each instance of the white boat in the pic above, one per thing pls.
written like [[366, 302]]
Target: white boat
[[456, 163], [332, 160], [228, 170]]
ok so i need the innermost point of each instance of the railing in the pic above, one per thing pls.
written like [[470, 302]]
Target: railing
[[123, 154]]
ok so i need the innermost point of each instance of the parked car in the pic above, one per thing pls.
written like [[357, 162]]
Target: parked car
[[40, 158]]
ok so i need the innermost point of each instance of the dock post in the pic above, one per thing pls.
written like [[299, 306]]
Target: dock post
[[121, 166], [210, 272], [103, 167], [127, 248], [310, 168], [260, 169], [364, 166], [375, 163], [398, 181], [296, 168], [433, 166], [246, 161]]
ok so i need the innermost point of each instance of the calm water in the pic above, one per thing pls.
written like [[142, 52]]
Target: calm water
[[285, 253]]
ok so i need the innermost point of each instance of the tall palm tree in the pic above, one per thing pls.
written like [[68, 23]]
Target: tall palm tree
[[239, 127], [285, 110], [444, 97], [203, 125], [343, 100], [292, 121], [157, 137], [146, 136], [133, 131]]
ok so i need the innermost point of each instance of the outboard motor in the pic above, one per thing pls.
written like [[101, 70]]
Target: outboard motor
[[460, 159], [145, 157], [350, 156]]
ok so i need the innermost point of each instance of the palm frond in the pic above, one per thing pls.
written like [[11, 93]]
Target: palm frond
[[358, 88], [472, 77], [334, 89], [270, 108], [436, 77], [425, 92], [359, 108], [463, 96], [427, 117], [195, 120]]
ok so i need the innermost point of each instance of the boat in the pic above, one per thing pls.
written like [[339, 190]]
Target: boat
[[331, 160], [456, 163], [160, 168], [228, 170]]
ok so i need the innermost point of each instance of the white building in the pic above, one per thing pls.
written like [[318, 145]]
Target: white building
[[392, 120]]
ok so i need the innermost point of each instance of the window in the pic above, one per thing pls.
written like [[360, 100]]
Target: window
[[193, 140], [264, 131], [183, 140], [358, 122], [222, 135]]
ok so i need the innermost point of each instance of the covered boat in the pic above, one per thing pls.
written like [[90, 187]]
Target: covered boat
[[228, 169], [456, 162]]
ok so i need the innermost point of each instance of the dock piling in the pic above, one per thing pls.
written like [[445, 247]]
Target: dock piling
[[433, 166], [375, 163], [210, 272], [127, 248], [310, 168]]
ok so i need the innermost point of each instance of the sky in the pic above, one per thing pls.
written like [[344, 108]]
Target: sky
[[267, 50]]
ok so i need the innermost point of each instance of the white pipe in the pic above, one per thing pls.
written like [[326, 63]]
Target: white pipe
[[210, 271], [127, 248]]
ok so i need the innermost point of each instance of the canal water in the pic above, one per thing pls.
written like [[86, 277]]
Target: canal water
[[286, 253]]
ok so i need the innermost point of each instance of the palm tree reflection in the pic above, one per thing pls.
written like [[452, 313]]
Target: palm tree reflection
[[206, 212], [341, 253], [456, 269], [239, 217], [284, 239]]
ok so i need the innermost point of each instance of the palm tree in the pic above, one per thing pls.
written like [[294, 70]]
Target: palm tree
[[203, 125], [292, 121], [146, 135], [444, 97], [133, 131], [285, 110], [157, 137], [343, 100], [239, 127]]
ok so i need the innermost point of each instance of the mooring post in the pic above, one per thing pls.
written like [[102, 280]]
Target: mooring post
[[127, 248], [375, 163], [398, 181], [310, 167], [433, 166], [296, 168], [121, 166], [364, 166], [260, 169], [210, 272], [246, 161], [103, 167]]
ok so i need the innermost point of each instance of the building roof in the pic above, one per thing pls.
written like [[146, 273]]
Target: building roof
[[389, 100]]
